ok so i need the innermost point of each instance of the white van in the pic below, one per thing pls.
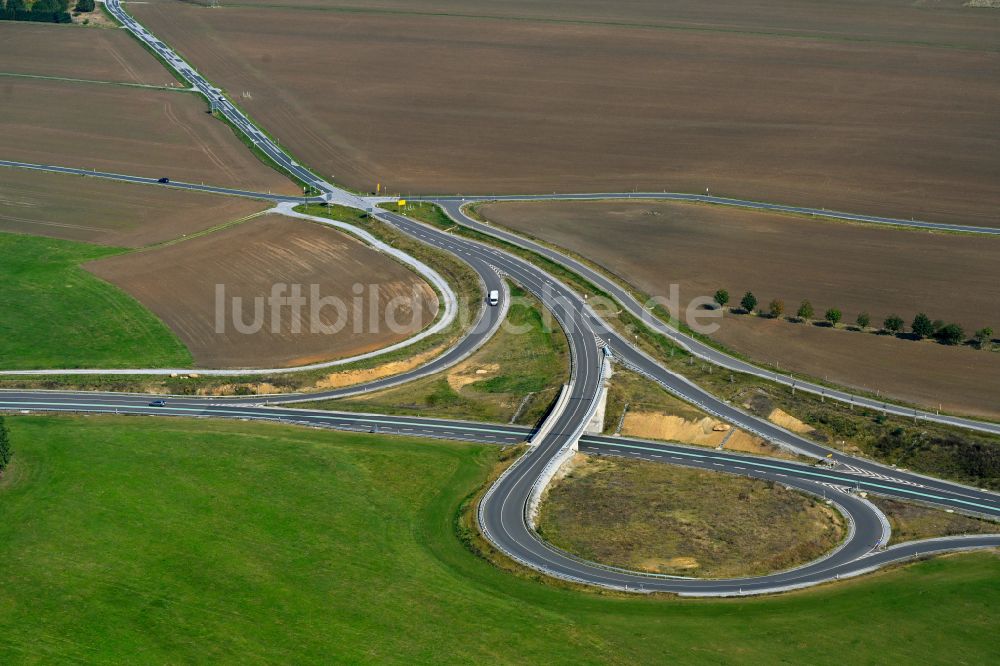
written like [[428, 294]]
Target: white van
[[494, 297]]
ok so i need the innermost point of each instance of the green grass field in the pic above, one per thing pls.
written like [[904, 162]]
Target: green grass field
[[54, 314], [166, 540]]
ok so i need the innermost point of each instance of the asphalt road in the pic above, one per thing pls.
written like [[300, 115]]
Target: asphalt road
[[229, 110], [725, 201], [503, 511], [149, 181]]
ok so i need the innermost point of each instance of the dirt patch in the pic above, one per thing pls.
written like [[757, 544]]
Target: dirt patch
[[109, 213], [786, 106], [676, 520], [702, 432], [673, 428], [180, 283], [351, 377], [852, 267], [239, 389], [469, 373], [789, 422], [152, 133], [102, 55]]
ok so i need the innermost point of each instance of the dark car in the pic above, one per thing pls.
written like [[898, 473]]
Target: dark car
[[163, 180], [158, 403]]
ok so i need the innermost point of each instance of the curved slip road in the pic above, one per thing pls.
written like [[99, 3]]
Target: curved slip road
[[454, 208], [503, 512]]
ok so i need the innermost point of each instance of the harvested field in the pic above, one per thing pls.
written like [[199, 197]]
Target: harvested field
[[150, 133], [943, 22], [179, 283], [107, 212], [792, 107], [851, 267], [961, 379], [673, 520], [56, 50]]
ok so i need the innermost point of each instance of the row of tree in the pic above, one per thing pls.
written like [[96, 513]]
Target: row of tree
[[5, 451], [921, 327], [42, 11]]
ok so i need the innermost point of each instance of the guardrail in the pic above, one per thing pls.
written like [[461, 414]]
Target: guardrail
[[563, 454], [550, 421]]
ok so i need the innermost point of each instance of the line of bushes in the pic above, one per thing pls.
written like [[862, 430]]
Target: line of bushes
[[921, 327], [41, 11], [5, 451]]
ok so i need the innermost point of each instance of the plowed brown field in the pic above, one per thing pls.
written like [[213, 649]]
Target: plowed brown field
[[876, 107], [107, 212], [95, 54], [851, 267], [140, 132], [179, 282]]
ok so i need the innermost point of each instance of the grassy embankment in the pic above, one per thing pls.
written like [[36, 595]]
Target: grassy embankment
[[688, 522], [912, 521], [127, 539], [459, 275], [929, 448], [517, 373], [57, 315]]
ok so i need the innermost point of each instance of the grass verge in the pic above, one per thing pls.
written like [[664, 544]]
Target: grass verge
[[172, 540], [57, 315], [911, 521], [673, 520]]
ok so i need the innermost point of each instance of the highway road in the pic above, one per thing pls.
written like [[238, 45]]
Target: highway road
[[503, 512], [227, 109], [724, 201], [140, 180]]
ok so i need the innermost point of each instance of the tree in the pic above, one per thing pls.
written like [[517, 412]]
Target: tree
[[805, 311], [748, 302], [5, 451], [984, 337], [776, 308], [922, 326], [84, 5], [833, 316], [863, 320], [950, 334], [893, 324], [721, 297]]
